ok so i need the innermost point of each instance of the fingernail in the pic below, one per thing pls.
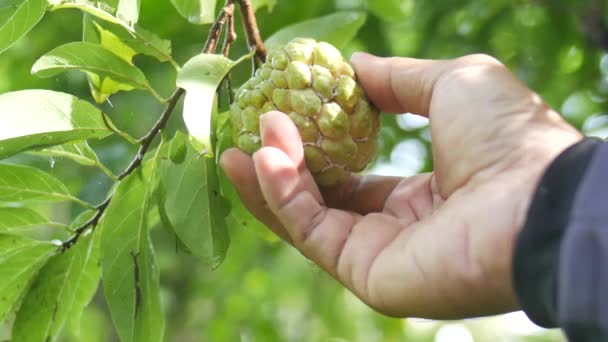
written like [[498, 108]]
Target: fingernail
[[358, 56], [262, 119], [222, 162]]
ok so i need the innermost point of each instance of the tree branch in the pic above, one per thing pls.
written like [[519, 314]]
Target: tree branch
[[147, 139], [254, 40], [226, 14]]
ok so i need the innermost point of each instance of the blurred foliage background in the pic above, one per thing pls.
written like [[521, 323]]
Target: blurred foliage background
[[265, 291]]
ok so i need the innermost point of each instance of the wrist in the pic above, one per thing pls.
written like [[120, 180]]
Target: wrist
[[543, 147]]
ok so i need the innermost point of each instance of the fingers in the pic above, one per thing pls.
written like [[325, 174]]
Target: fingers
[[398, 85], [239, 168], [280, 132], [343, 243]]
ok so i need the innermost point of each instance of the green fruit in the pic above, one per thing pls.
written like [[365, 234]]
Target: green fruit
[[312, 83]]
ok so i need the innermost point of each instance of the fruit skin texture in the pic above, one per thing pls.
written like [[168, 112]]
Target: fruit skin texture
[[312, 83]]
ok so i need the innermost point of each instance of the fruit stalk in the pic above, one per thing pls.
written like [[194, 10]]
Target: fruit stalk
[[254, 40]]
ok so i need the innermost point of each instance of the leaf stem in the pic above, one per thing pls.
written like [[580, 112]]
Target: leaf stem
[[117, 131], [106, 171], [81, 202], [156, 95]]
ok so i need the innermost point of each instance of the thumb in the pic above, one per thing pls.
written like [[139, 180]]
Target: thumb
[[398, 85]]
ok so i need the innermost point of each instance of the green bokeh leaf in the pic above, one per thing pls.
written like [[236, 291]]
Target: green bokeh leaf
[[195, 207], [60, 292], [196, 11], [390, 10], [33, 119], [200, 77], [20, 260], [337, 29], [21, 17], [111, 71], [24, 183], [130, 276], [257, 4], [14, 220]]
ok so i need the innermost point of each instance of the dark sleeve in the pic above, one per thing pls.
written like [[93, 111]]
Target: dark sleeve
[[560, 264]]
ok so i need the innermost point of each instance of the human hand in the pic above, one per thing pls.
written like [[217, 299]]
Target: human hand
[[436, 245]]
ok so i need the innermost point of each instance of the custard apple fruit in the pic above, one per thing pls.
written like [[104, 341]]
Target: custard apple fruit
[[312, 83]]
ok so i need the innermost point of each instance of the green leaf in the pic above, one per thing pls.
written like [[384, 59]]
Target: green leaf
[[136, 37], [33, 119], [337, 29], [93, 32], [21, 17], [200, 77], [60, 292], [257, 4], [128, 10], [23, 183], [130, 276], [195, 207], [113, 73], [196, 11], [14, 220], [20, 260], [124, 44]]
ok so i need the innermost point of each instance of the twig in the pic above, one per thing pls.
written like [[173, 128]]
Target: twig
[[229, 38], [254, 40], [92, 222], [147, 139], [216, 28]]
